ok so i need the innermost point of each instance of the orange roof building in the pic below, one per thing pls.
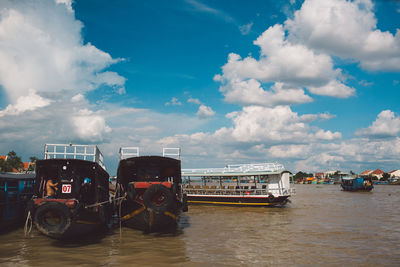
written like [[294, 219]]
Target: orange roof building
[[377, 173], [366, 173]]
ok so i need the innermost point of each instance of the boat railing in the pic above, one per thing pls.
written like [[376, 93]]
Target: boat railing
[[128, 152], [72, 151], [238, 168], [242, 190], [172, 152]]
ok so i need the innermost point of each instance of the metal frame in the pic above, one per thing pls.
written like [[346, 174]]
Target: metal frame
[[72, 151], [172, 152], [237, 169], [128, 152]]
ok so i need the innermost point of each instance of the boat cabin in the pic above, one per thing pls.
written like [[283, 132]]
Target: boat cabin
[[15, 191]]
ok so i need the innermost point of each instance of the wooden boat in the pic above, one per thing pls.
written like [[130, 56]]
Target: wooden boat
[[356, 184], [15, 192], [152, 186], [261, 184], [79, 203]]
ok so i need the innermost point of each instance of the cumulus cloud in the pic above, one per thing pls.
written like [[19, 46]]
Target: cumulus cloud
[[55, 58], [347, 29], [327, 135], [174, 102], [250, 92], [385, 125], [293, 65], [89, 126], [261, 124], [205, 112], [29, 102]]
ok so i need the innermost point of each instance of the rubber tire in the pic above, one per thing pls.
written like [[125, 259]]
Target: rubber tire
[[61, 210], [166, 205], [131, 192], [271, 198]]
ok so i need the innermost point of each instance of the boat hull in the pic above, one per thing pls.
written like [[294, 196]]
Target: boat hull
[[237, 200], [353, 189]]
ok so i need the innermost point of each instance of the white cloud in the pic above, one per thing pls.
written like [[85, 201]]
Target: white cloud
[[29, 102], [194, 101], [246, 28], [55, 58], [67, 3], [334, 89], [78, 98], [289, 151], [347, 29], [201, 7], [326, 116], [293, 65], [250, 92], [386, 125], [174, 102], [89, 126], [327, 135], [261, 124], [205, 112]]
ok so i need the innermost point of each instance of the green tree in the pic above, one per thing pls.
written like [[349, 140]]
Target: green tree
[[300, 175], [33, 165], [385, 176], [4, 166], [12, 162]]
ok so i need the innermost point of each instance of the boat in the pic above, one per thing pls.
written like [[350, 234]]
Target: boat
[[153, 189], [259, 184], [71, 197], [356, 184], [16, 189]]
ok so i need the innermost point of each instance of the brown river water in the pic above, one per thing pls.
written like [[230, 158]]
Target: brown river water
[[323, 226]]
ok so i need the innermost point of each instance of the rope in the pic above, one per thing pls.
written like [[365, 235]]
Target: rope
[[27, 230], [104, 202]]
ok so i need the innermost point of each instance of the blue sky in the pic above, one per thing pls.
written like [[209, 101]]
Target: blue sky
[[312, 84]]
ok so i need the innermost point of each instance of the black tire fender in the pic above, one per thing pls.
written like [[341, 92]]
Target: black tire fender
[[271, 198], [57, 227], [160, 192]]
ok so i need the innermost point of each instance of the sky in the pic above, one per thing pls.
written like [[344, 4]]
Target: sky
[[311, 84]]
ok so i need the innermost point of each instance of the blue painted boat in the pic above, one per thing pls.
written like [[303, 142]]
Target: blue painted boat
[[15, 192], [356, 184]]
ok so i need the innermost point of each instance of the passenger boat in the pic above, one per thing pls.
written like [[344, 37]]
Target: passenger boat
[[153, 190], [71, 196], [15, 192], [261, 184], [356, 184]]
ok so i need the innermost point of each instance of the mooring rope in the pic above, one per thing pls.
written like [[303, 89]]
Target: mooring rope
[[27, 230], [104, 202]]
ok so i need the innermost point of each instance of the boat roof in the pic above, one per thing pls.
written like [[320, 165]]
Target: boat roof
[[350, 178], [17, 176], [151, 168], [237, 170]]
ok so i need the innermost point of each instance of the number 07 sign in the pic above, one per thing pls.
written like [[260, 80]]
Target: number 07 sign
[[66, 188]]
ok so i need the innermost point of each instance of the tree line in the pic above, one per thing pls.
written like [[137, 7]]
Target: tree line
[[14, 162]]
